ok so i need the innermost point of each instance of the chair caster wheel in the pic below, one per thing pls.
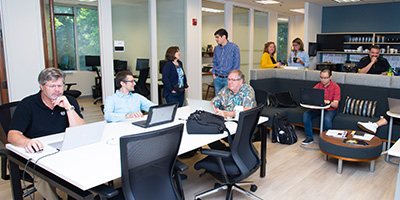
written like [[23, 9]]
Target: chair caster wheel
[[253, 188], [198, 199], [217, 185]]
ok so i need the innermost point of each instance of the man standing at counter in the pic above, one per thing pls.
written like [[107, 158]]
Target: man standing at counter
[[332, 97], [373, 64], [226, 58]]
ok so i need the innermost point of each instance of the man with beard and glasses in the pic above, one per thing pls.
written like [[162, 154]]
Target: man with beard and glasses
[[373, 64], [47, 112]]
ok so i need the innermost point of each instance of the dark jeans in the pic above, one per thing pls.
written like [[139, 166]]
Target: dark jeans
[[220, 83], [176, 97], [329, 115]]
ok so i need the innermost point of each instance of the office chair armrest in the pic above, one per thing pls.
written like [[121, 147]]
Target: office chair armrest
[[215, 152], [69, 85], [180, 166], [105, 191]]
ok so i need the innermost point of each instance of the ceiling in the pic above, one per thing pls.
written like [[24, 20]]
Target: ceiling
[[282, 8], [290, 4]]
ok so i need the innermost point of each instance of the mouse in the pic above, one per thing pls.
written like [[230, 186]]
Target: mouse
[[34, 150], [112, 141]]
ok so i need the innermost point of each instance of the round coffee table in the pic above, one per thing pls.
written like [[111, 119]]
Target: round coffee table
[[334, 147]]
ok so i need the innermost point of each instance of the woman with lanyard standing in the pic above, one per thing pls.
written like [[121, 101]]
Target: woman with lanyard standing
[[268, 59], [173, 77], [298, 57]]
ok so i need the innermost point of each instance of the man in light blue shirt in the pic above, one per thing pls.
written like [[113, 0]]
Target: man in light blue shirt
[[124, 104], [226, 58]]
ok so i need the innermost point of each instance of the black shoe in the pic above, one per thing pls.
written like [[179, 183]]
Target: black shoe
[[308, 140]]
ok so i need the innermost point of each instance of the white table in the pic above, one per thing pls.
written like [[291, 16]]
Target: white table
[[99, 163], [322, 108], [395, 151], [391, 115]]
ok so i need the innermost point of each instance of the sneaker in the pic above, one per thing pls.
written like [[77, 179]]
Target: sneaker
[[368, 126], [308, 140]]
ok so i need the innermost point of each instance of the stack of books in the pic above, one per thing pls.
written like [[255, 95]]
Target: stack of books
[[337, 133]]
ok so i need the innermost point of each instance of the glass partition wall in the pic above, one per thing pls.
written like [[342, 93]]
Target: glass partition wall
[[282, 49], [213, 19], [241, 38], [260, 36], [130, 25], [76, 33]]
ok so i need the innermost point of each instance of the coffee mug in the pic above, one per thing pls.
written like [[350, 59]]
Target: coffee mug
[[295, 59], [383, 50], [391, 50]]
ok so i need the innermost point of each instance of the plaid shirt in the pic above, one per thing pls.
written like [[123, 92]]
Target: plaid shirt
[[227, 100]]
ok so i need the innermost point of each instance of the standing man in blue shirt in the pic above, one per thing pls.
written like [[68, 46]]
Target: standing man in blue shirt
[[226, 58], [124, 104]]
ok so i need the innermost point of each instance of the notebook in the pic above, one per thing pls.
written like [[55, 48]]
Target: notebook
[[78, 136], [198, 104], [158, 115], [394, 105], [311, 96]]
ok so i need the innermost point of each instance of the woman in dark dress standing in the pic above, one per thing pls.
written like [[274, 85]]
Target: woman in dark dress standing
[[173, 77]]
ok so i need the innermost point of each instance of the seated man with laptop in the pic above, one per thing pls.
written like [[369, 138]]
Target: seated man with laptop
[[125, 104], [332, 97], [44, 113], [235, 94], [371, 127]]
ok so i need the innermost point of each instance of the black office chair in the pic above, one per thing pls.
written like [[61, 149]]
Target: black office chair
[[148, 161], [6, 113], [96, 89], [261, 98], [231, 167], [73, 93], [141, 83]]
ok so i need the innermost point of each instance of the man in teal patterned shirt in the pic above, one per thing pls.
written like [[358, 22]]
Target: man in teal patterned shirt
[[236, 93]]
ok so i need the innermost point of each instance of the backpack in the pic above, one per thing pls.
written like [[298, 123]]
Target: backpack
[[282, 131]]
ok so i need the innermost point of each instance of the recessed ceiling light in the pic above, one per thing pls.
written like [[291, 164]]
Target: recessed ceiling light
[[88, 1], [211, 10], [298, 10], [346, 1], [267, 2]]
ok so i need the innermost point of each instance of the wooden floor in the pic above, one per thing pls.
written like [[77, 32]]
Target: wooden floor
[[292, 173]]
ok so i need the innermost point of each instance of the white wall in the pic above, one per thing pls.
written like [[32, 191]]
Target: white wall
[[23, 46], [84, 80], [193, 48], [312, 26]]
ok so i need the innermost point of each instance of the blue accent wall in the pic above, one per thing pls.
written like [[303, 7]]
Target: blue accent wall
[[383, 17]]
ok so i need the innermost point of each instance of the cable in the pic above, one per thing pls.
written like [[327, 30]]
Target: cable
[[23, 179], [30, 192]]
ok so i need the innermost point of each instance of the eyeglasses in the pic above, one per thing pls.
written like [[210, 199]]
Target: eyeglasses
[[54, 86], [131, 81], [324, 77], [229, 79]]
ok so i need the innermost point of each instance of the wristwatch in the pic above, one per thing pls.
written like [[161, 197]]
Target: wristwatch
[[70, 108]]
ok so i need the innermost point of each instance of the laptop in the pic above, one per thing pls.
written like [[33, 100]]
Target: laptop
[[198, 104], [78, 136], [158, 115], [394, 105], [311, 96]]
